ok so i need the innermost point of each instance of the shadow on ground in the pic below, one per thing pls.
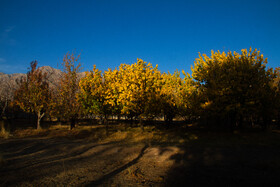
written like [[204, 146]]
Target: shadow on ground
[[152, 158], [227, 160]]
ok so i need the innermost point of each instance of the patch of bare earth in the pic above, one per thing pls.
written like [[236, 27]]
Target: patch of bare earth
[[36, 161], [190, 159]]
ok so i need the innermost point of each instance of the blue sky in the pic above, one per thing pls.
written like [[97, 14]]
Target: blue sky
[[169, 33]]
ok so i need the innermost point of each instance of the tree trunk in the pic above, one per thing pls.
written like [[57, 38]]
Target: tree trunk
[[4, 108], [278, 120], [101, 120], [106, 123], [241, 122], [39, 117], [168, 118], [2, 125], [5, 128], [72, 123], [252, 121], [266, 122], [141, 124], [59, 123], [131, 121]]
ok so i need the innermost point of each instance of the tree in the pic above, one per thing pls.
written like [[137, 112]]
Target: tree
[[276, 85], [93, 94], [6, 97], [189, 98], [235, 86], [113, 80], [65, 102], [137, 85], [169, 93], [33, 94]]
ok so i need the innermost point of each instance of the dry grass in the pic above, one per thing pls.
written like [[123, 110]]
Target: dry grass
[[116, 133], [56, 132], [5, 133], [117, 157], [150, 135]]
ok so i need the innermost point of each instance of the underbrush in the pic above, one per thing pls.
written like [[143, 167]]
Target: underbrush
[[5, 133], [152, 135], [116, 133]]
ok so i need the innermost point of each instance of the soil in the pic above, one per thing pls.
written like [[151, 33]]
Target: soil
[[220, 159]]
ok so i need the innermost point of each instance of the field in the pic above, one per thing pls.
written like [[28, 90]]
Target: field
[[126, 156]]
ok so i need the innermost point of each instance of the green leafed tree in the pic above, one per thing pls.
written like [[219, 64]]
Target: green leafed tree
[[93, 95], [33, 94]]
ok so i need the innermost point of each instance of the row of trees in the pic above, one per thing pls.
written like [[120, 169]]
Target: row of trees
[[226, 88]]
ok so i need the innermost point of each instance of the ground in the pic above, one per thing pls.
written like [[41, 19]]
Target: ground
[[88, 156]]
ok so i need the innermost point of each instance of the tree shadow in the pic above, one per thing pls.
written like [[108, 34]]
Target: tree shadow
[[224, 164], [47, 158], [116, 171]]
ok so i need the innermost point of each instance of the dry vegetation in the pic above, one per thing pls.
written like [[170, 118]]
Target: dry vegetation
[[126, 156]]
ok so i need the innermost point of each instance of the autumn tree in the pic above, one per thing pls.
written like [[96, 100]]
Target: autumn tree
[[113, 78], [93, 95], [65, 102], [137, 86], [189, 98], [235, 86], [178, 96], [33, 94], [6, 97], [276, 85], [169, 95]]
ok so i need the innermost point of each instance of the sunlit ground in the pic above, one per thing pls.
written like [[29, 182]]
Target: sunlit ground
[[124, 155]]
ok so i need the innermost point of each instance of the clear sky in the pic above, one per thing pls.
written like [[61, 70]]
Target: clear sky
[[169, 33]]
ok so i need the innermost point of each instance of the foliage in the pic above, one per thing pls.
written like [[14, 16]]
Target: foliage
[[6, 97], [113, 78], [137, 88], [276, 85], [65, 103], [234, 85], [189, 98], [225, 88], [33, 94], [171, 86], [93, 95]]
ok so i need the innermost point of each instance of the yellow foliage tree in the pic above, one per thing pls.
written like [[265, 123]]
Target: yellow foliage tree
[[189, 98], [93, 95], [113, 79], [171, 85], [137, 85], [235, 86]]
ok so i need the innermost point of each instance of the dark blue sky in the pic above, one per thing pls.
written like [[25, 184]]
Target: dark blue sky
[[169, 33]]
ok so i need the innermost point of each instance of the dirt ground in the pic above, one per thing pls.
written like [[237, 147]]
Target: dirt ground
[[129, 157]]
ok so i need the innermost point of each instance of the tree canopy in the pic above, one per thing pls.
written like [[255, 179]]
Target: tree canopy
[[234, 85], [65, 103], [33, 94], [227, 89]]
